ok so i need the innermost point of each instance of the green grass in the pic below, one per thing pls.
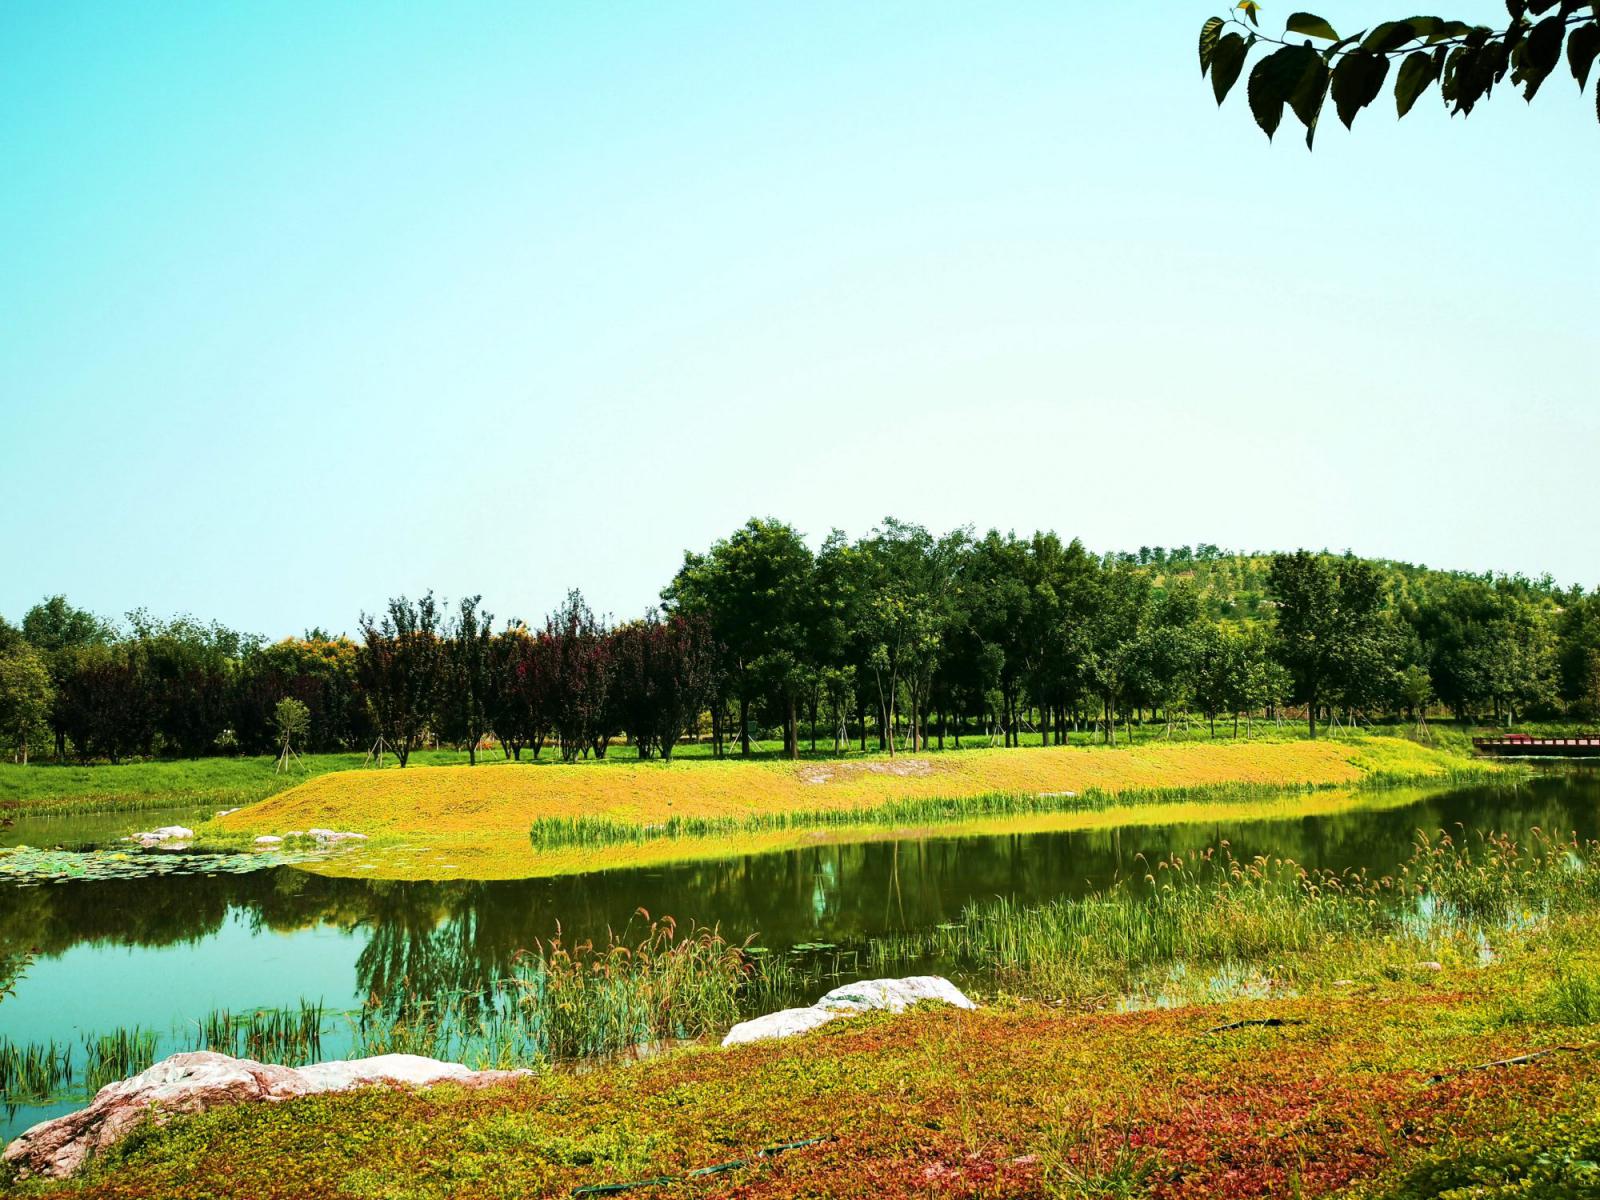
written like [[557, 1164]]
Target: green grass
[[550, 833], [44, 787]]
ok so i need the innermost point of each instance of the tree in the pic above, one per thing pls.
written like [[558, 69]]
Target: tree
[[318, 670], [908, 613], [27, 697], [291, 719], [756, 590], [1327, 614], [468, 695], [580, 675], [1118, 611], [401, 666], [1465, 60], [189, 672], [663, 670], [519, 706], [55, 627], [103, 701]]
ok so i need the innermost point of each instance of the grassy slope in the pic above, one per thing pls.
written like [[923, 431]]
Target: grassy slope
[[464, 822], [1017, 1100], [43, 788]]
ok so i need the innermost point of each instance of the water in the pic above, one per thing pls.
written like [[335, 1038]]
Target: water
[[162, 952]]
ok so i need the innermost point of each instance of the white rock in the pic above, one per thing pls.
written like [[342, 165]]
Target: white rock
[[172, 833], [781, 1024], [266, 839], [189, 1083], [893, 995], [333, 835]]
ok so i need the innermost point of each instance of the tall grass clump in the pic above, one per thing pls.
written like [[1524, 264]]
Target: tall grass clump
[[587, 999], [34, 1071], [586, 830], [116, 1055], [280, 1035], [1212, 909]]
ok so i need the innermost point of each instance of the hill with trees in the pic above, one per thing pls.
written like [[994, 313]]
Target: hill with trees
[[900, 639]]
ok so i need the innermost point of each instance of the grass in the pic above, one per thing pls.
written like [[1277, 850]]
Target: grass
[[64, 789], [511, 822], [37, 1073], [1366, 1093]]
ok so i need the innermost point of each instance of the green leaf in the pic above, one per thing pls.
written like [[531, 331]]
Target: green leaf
[[1311, 25], [1277, 80], [1357, 80], [1226, 64], [1208, 42], [1309, 94], [1582, 46], [1416, 73], [1390, 35], [1540, 53], [1448, 29]]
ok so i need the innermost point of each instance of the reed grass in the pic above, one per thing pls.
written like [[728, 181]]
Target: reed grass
[[33, 1072], [280, 1035], [116, 1055], [1235, 917], [595, 830]]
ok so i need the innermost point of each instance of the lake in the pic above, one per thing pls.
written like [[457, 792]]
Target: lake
[[163, 952]]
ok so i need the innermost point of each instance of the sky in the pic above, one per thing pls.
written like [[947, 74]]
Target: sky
[[306, 305]]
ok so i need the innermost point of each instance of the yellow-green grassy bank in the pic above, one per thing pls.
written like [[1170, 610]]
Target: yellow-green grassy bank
[[463, 822]]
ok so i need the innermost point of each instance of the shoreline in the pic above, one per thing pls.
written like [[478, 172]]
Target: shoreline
[[472, 823]]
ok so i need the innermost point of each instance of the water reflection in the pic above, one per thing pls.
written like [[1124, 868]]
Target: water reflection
[[462, 935]]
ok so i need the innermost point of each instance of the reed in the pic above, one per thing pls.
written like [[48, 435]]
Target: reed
[[33, 1072], [116, 1055], [1232, 916], [585, 830], [280, 1035]]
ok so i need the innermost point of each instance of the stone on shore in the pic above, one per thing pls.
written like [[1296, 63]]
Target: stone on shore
[[195, 1082], [891, 995]]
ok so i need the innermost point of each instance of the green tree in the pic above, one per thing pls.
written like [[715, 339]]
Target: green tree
[[57, 628], [291, 720], [756, 590], [27, 697], [1327, 618], [1118, 613], [1311, 63]]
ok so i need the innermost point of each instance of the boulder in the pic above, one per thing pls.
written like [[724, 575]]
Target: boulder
[[163, 836], [191, 1083], [892, 995]]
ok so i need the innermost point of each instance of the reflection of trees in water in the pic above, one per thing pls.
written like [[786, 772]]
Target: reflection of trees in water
[[427, 939]]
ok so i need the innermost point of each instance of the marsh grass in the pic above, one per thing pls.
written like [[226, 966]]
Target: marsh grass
[[33, 1072], [116, 1055], [1199, 926], [37, 1073], [559, 832], [280, 1035]]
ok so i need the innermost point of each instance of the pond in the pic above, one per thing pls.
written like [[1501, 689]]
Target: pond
[[163, 952]]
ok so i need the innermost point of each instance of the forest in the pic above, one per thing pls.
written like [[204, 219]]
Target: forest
[[901, 639]]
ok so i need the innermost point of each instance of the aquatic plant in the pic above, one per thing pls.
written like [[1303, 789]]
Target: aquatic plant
[[116, 1055], [1217, 910], [281, 1035], [33, 1072]]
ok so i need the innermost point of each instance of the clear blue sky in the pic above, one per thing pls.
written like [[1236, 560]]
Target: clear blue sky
[[308, 304]]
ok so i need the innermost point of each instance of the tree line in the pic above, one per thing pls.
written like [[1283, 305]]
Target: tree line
[[901, 638]]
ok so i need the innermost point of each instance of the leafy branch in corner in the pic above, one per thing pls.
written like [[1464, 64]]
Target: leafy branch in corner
[[1466, 61]]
